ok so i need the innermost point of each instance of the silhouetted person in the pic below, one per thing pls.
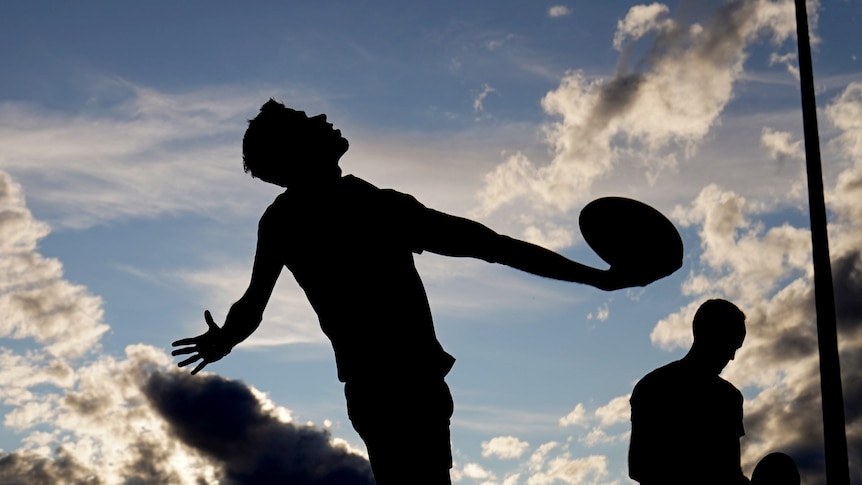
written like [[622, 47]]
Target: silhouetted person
[[776, 469], [350, 247], [686, 420]]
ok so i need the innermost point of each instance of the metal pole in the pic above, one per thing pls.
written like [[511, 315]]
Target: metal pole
[[834, 435]]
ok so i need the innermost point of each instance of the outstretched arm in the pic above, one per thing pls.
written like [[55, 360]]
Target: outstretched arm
[[455, 236], [244, 316]]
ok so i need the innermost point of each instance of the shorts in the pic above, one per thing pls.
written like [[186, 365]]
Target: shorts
[[405, 426]]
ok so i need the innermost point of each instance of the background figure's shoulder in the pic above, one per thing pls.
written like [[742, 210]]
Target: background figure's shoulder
[[730, 390], [668, 371], [658, 380]]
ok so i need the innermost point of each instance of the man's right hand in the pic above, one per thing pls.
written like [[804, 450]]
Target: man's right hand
[[207, 347]]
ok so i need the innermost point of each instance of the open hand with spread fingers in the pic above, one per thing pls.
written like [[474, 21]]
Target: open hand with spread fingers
[[206, 348]]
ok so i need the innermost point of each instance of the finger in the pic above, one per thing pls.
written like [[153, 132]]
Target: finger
[[190, 360], [199, 367], [183, 351], [209, 319], [185, 341]]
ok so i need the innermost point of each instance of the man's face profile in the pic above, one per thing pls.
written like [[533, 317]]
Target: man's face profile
[[286, 147], [315, 135]]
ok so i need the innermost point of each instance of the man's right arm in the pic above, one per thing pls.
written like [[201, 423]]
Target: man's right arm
[[245, 314]]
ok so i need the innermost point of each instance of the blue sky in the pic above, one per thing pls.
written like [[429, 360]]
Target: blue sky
[[126, 212]]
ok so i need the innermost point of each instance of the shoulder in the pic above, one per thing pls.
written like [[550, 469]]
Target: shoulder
[[390, 200], [728, 390], [669, 380], [663, 374], [655, 381], [275, 214]]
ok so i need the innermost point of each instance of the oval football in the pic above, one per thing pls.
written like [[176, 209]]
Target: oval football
[[632, 236]]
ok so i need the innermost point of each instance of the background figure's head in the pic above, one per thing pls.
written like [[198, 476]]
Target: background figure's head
[[286, 147], [719, 329], [776, 469]]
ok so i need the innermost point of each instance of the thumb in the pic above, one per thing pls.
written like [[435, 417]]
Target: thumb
[[210, 322]]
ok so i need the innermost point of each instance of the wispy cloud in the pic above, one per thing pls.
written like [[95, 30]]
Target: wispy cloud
[[149, 154]]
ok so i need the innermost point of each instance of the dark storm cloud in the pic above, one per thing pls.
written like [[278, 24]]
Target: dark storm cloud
[[847, 281], [224, 421], [800, 418]]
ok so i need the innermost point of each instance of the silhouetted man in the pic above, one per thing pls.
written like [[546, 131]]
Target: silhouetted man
[[350, 247], [686, 420]]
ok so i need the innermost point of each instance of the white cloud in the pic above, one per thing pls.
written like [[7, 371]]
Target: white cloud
[[845, 112], [35, 301], [504, 447], [641, 20], [476, 472], [597, 436], [479, 100], [745, 260], [588, 470], [559, 11], [779, 145], [549, 236], [602, 313], [786, 59], [615, 411], [578, 417], [669, 107]]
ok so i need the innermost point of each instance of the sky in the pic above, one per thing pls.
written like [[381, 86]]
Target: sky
[[125, 213]]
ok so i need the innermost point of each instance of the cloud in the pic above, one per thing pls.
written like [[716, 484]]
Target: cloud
[[786, 59], [602, 313], [478, 101], [35, 301], [16, 467], [615, 411], [89, 417], [578, 416], [225, 421], [687, 80], [641, 20], [476, 472], [779, 145], [559, 11], [597, 436], [587, 470], [146, 153], [504, 447]]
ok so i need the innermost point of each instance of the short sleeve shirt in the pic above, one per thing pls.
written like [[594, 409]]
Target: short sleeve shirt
[[350, 247]]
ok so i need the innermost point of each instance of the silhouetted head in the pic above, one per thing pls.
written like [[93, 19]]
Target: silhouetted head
[[286, 147], [719, 329], [776, 469]]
